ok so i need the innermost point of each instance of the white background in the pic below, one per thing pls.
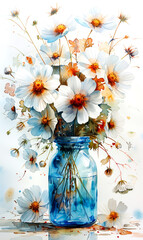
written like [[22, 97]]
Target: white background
[[133, 106]]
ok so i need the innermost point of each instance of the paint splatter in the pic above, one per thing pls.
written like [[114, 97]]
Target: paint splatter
[[9, 194], [138, 214]]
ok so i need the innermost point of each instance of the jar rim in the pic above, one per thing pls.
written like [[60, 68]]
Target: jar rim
[[72, 139]]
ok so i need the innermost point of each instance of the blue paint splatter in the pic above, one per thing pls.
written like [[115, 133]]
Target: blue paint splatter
[[30, 178], [138, 214]]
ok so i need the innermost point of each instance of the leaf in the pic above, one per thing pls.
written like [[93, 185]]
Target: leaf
[[22, 106], [101, 136], [105, 160], [105, 109], [93, 145]]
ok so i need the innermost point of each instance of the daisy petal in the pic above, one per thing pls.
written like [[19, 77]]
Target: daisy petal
[[82, 116], [93, 110], [88, 86], [28, 195], [28, 216], [121, 208], [112, 205], [23, 203], [36, 190], [121, 66], [69, 115], [75, 84]]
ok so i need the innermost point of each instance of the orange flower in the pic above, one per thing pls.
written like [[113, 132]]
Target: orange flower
[[71, 69], [75, 47], [10, 89], [29, 60], [85, 43], [80, 45], [99, 83]]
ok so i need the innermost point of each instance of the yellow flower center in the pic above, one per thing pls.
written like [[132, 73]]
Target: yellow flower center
[[94, 67], [113, 216], [55, 56], [45, 121], [111, 124], [35, 207], [112, 79], [78, 101], [96, 22], [60, 29], [38, 87]]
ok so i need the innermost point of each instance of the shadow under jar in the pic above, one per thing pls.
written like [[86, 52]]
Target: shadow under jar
[[72, 183]]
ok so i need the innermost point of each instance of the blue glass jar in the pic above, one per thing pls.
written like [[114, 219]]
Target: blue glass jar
[[72, 183]]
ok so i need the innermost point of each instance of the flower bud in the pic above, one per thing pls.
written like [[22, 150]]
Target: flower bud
[[42, 163], [108, 172], [8, 71]]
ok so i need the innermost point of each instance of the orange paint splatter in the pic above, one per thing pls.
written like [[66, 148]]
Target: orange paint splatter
[[9, 194]]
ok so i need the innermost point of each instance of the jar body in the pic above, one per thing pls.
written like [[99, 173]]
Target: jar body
[[72, 184]]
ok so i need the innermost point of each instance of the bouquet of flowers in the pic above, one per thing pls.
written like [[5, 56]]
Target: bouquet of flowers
[[69, 88]]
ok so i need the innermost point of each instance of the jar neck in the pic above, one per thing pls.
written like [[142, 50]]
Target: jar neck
[[72, 142]]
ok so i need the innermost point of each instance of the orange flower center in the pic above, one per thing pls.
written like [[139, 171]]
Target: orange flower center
[[111, 124], [113, 216], [55, 56], [112, 79], [96, 22], [45, 121], [32, 160], [35, 207], [60, 29], [38, 87], [13, 109], [72, 69], [78, 101], [29, 60], [94, 67]]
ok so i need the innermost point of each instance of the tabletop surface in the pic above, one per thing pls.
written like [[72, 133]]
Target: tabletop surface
[[15, 230]]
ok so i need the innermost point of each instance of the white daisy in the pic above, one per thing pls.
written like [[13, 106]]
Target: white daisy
[[43, 123], [57, 27], [78, 99], [90, 63], [115, 125], [33, 204], [24, 141], [37, 86], [114, 215], [123, 187], [115, 76], [96, 21], [51, 54], [31, 157]]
